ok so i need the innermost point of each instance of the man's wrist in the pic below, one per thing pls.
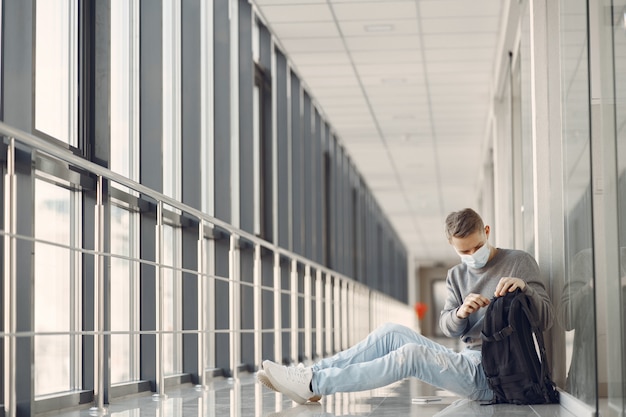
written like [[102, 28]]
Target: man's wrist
[[456, 314]]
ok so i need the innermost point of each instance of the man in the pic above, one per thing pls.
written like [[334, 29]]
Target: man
[[393, 352]]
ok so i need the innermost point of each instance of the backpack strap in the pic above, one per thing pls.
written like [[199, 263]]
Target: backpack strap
[[497, 336]]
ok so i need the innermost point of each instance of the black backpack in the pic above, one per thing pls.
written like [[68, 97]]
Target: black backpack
[[513, 353]]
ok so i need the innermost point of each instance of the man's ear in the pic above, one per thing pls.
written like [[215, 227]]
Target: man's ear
[[487, 230]]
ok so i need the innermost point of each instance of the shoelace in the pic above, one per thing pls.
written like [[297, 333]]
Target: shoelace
[[297, 375]]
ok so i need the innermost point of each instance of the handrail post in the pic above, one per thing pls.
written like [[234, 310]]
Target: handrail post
[[159, 295], [10, 276], [337, 323], [258, 305], [210, 301], [294, 311], [278, 324], [328, 303], [319, 297], [308, 314], [202, 307], [234, 291], [344, 315], [99, 299]]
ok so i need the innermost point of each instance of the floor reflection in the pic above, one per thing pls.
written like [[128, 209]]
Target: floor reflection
[[245, 398]]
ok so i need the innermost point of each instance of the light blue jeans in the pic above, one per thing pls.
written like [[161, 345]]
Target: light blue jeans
[[394, 352]]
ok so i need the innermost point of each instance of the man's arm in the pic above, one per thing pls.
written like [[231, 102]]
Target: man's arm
[[536, 291], [531, 284]]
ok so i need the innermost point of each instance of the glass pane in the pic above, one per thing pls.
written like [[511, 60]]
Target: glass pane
[[124, 87], [121, 292], [527, 209], [577, 309], [172, 98], [172, 301], [53, 288], [619, 58], [56, 77]]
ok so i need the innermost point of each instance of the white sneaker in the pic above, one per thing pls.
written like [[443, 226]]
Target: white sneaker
[[293, 381], [261, 376]]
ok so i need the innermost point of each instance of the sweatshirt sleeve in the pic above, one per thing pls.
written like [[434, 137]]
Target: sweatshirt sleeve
[[450, 324]]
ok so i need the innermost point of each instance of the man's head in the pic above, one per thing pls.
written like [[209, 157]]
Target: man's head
[[461, 224], [468, 234]]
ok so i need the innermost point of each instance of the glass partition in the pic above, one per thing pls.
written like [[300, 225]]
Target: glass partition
[[576, 307], [617, 339]]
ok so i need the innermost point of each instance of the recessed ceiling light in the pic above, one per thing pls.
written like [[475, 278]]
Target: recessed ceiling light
[[378, 28]]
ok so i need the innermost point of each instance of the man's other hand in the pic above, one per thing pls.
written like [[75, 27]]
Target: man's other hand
[[471, 304], [509, 284]]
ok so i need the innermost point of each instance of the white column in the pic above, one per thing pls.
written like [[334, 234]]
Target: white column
[[278, 344], [234, 297], [294, 311], [258, 305], [10, 283]]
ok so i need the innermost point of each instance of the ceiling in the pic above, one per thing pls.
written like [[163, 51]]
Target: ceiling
[[407, 87]]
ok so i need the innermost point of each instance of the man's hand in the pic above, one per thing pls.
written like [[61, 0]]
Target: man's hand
[[471, 304], [509, 284]]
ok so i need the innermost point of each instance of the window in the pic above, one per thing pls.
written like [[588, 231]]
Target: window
[[172, 296], [125, 293], [56, 69], [262, 102], [57, 287]]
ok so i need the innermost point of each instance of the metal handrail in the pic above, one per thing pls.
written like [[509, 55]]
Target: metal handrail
[[67, 156]]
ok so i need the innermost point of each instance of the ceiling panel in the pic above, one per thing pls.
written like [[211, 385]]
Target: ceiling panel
[[327, 82], [407, 44], [375, 10], [385, 71], [449, 25], [306, 30], [317, 58], [460, 55], [305, 45], [459, 9], [317, 71], [292, 13], [460, 40], [385, 57], [266, 3]]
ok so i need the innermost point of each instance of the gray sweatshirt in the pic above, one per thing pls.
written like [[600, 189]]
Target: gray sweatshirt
[[463, 280]]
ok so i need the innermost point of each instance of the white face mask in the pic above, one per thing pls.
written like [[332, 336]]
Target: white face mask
[[479, 258]]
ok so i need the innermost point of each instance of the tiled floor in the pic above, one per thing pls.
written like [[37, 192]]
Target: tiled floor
[[245, 398]]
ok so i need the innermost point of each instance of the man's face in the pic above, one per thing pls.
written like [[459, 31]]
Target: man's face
[[471, 243]]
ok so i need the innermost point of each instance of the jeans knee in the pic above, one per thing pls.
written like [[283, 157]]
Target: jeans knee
[[411, 356], [390, 328]]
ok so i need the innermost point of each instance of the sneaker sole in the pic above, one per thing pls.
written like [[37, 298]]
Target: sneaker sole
[[261, 376]]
